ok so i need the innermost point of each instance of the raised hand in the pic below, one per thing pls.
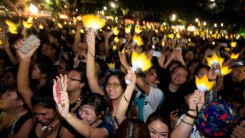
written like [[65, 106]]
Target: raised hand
[[131, 77], [21, 55], [239, 131], [61, 96], [197, 100]]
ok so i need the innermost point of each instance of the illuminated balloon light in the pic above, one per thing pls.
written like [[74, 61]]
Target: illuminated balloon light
[[171, 36], [82, 31], [138, 29], [93, 21], [116, 39], [127, 29], [111, 65], [60, 25], [233, 44], [234, 56], [225, 70], [26, 24], [33, 9], [204, 84], [140, 62], [137, 40], [12, 27], [114, 47], [214, 60], [123, 50], [115, 31]]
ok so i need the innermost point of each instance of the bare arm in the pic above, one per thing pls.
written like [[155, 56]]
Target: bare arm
[[126, 97], [62, 103], [23, 81], [183, 130], [77, 37], [7, 49], [90, 67]]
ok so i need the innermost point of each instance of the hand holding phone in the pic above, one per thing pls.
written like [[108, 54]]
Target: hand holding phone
[[58, 90], [29, 43], [156, 53]]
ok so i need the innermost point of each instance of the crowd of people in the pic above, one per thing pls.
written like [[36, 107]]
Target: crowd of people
[[85, 85]]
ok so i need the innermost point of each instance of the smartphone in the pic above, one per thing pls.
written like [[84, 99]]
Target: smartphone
[[29, 43], [156, 53], [237, 63], [223, 44], [58, 90]]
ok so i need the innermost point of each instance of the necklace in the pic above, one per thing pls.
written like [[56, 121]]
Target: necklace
[[46, 129]]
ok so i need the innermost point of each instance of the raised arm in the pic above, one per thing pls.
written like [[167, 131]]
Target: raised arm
[[77, 37], [7, 49], [62, 102], [23, 81], [126, 97], [90, 66], [183, 130]]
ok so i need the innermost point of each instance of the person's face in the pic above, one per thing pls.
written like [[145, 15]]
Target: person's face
[[189, 55], [158, 129], [238, 74], [202, 72], [152, 77], [35, 73], [62, 68], [44, 115], [9, 100], [138, 49], [97, 67], [74, 81], [179, 75], [82, 48], [114, 88], [193, 67], [88, 115], [8, 79], [48, 51]]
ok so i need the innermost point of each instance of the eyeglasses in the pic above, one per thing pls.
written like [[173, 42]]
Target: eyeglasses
[[73, 79], [153, 73], [113, 85], [179, 74]]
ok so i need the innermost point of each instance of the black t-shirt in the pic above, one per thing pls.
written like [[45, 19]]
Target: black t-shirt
[[173, 100], [233, 91]]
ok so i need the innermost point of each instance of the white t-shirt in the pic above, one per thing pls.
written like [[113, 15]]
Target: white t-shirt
[[152, 101]]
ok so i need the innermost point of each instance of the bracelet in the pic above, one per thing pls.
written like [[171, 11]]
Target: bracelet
[[191, 109], [90, 53], [186, 122], [125, 98], [191, 116]]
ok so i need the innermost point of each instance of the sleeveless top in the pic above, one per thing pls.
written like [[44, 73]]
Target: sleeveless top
[[13, 127]]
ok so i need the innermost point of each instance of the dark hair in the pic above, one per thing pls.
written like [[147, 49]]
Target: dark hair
[[103, 67], [180, 66], [13, 71], [157, 115], [121, 77], [97, 101], [132, 128], [200, 66], [44, 97], [46, 66], [82, 72]]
